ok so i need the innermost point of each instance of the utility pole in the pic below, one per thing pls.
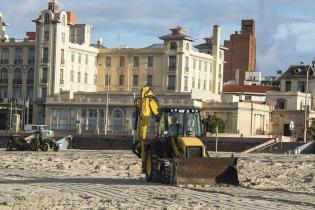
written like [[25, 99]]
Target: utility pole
[[10, 116]]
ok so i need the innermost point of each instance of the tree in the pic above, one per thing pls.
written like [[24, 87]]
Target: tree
[[211, 122], [311, 131]]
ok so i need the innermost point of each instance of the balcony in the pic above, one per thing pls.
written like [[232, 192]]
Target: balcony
[[18, 61], [30, 81], [31, 61], [41, 100], [4, 61], [17, 81], [3, 81]]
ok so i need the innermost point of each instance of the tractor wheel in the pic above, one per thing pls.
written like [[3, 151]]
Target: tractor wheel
[[56, 147], [34, 146], [151, 170], [168, 172], [45, 147], [9, 146]]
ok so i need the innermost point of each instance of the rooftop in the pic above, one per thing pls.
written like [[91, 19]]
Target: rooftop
[[247, 89], [296, 71]]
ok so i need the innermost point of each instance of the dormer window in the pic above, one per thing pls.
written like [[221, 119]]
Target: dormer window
[[173, 46], [46, 18]]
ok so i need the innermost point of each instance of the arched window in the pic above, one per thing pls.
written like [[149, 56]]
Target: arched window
[[18, 74], [173, 46], [281, 103], [30, 75], [46, 18], [187, 46], [4, 74], [64, 20], [118, 125]]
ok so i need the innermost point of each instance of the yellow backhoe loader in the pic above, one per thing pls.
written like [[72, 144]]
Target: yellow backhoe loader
[[177, 155]]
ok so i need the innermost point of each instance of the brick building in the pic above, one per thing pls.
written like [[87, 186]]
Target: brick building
[[241, 54]]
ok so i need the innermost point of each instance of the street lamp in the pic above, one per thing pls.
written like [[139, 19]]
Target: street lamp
[[310, 66], [107, 90]]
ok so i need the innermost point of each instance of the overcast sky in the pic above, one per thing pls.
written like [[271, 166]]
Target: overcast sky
[[285, 29]]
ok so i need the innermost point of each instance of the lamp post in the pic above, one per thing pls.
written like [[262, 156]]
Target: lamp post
[[310, 66], [107, 90]]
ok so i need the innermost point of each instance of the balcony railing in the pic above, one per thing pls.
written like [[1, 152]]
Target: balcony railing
[[172, 68], [170, 87], [3, 81], [4, 61], [17, 81], [30, 81], [45, 60], [18, 62]]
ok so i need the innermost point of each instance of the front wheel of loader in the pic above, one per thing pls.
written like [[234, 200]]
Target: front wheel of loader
[[151, 169], [168, 172], [45, 147]]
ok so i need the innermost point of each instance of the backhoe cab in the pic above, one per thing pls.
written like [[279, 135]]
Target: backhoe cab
[[177, 155]]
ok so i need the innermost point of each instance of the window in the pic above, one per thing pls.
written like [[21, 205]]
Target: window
[[3, 92], [31, 56], [135, 80], [150, 61], [17, 92], [186, 83], [64, 20], [45, 55], [95, 61], [62, 57], [108, 62], [29, 93], [287, 86], [193, 82], [72, 57], [18, 74], [220, 71], [200, 64], [210, 86], [171, 82], [194, 63], [86, 59], [210, 67], [173, 46], [187, 46], [149, 80], [121, 80], [44, 93], [79, 77], [186, 62], [107, 80], [95, 79], [136, 61], [18, 56], [61, 77], [220, 54], [172, 62], [46, 36], [85, 78], [122, 61], [206, 66], [30, 76], [44, 75], [301, 86], [199, 81], [248, 98], [204, 84], [79, 58], [5, 56], [281, 104], [46, 18], [71, 75], [63, 37], [93, 113], [219, 87], [4, 74]]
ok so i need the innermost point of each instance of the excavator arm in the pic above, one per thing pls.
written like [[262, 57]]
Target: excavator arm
[[146, 104]]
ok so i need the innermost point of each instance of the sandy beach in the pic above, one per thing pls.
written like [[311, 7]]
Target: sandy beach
[[77, 179]]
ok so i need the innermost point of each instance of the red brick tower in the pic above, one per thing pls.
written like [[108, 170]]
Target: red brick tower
[[241, 54]]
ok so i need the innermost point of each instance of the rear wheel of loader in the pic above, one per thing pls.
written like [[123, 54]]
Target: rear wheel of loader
[[168, 172], [45, 147], [151, 172]]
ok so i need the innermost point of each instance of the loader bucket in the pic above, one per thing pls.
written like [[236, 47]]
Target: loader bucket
[[207, 171]]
